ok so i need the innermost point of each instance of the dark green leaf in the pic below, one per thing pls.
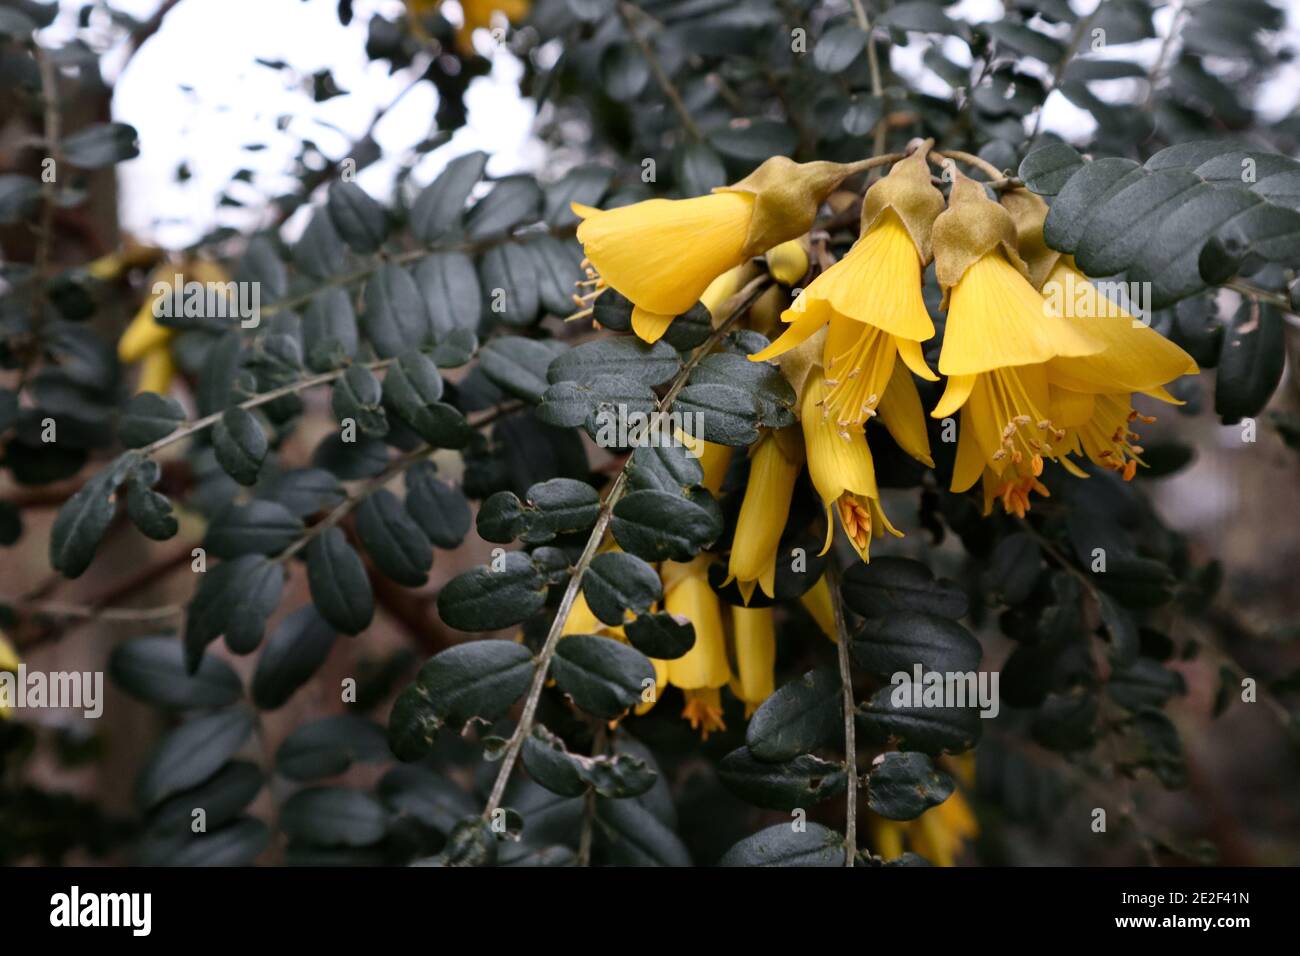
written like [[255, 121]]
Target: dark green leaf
[[437, 209], [359, 220], [440, 510], [258, 527], [903, 786], [483, 599], [783, 845], [153, 669], [357, 396], [329, 746], [890, 584], [240, 445], [622, 356], [339, 586], [616, 776], [394, 541], [100, 145], [661, 635], [333, 816], [149, 417], [659, 525], [917, 726], [191, 754], [616, 583], [899, 641], [790, 785], [395, 317], [800, 717], [603, 676], [293, 653], [1251, 361], [1046, 169]]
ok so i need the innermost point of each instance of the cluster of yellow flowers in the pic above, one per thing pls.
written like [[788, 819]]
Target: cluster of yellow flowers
[[1032, 382]]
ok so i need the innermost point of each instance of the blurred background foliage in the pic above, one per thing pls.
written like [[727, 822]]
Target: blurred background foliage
[[1123, 691]]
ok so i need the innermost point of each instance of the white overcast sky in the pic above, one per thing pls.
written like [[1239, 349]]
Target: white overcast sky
[[210, 47]]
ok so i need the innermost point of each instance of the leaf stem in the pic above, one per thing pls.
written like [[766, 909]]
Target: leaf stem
[[626, 12], [44, 241], [738, 303], [970, 159], [850, 710], [877, 86]]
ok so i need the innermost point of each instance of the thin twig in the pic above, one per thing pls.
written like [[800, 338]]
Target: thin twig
[[1080, 28], [44, 241], [262, 398], [589, 802], [850, 710], [739, 303], [626, 11], [970, 159], [1277, 299], [877, 87], [1162, 57]]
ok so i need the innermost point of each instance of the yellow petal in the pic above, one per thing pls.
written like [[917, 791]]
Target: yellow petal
[[839, 460], [997, 319], [755, 636], [714, 459], [1070, 409], [902, 414], [663, 253], [805, 318], [691, 597], [955, 395], [157, 371], [910, 352], [1135, 356], [9, 660], [817, 602], [969, 465], [650, 326], [763, 515], [142, 335], [878, 282]]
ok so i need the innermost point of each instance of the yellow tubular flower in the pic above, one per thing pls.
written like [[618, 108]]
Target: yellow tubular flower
[[755, 637], [997, 342], [1091, 395], [817, 602], [1134, 358], [702, 669], [870, 301], [9, 664], [775, 463], [842, 471], [662, 254], [715, 459], [147, 341]]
